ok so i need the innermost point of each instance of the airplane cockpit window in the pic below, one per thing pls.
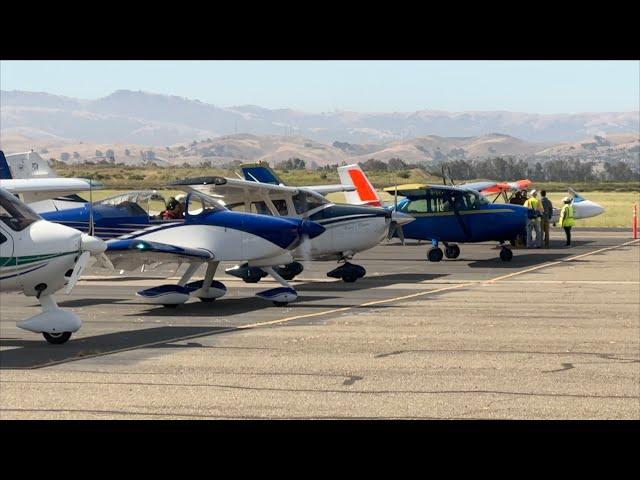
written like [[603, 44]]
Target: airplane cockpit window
[[131, 204], [200, 204], [14, 213], [415, 206], [305, 201], [473, 200]]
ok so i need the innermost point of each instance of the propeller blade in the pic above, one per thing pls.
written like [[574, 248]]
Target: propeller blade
[[77, 271], [104, 261]]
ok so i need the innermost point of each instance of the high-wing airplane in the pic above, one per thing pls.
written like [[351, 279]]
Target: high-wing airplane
[[445, 214], [38, 258], [349, 229], [583, 208], [29, 175], [207, 233]]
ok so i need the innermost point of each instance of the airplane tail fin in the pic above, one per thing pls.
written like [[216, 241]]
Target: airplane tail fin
[[364, 193], [576, 196], [5, 171], [260, 172], [24, 165]]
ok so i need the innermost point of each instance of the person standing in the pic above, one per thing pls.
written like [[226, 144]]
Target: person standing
[[566, 218], [547, 213], [533, 222]]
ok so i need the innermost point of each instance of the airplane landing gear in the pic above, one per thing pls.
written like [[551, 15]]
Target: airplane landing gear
[[56, 338], [506, 254], [246, 273], [348, 272], [452, 251], [435, 254], [290, 271]]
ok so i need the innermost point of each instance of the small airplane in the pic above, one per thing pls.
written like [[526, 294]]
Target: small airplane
[[582, 207], [349, 230], [39, 258], [29, 175], [207, 233], [449, 215]]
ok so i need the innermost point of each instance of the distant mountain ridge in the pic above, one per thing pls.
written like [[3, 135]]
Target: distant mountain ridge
[[127, 116]]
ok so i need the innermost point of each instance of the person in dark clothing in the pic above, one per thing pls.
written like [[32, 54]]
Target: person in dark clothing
[[546, 217]]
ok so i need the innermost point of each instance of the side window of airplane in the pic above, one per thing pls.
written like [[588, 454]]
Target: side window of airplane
[[416, 206], [2, 239], [304, 202], [260, 208], [439, 201]]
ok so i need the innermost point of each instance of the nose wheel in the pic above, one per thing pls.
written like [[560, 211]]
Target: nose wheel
[[435, 254], [506, 254], [56, 338]]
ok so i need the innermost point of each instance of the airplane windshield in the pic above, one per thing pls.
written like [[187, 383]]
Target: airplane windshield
[[198, 204], [14, 213], [306, 201]]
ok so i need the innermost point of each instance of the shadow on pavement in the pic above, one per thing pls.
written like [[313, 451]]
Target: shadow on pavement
[[38, 353]]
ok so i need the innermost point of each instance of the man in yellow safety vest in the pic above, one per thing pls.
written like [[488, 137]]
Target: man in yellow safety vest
[[566, 218], [533, 221]]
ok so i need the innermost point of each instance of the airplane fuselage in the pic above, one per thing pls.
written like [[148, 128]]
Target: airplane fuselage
[[499, 222]]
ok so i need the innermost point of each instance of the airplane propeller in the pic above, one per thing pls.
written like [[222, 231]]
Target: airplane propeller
[[395, 226], [88, 245]]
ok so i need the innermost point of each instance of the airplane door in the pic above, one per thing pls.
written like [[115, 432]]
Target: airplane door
[[6, 247]]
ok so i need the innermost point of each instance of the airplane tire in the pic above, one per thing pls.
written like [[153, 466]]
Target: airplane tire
[[206, 300], [452, 251], [56, 338], [251, 279], [280, 304], [170, 305], [506, 254], [349, 277], [435, 254]]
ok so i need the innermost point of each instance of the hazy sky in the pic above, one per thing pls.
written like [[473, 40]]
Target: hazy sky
[[362, 86]]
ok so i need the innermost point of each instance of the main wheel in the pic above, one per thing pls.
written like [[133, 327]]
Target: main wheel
[[251, 279], [506, 254], [452, 251], [349, 277], [206, 300], [435, 254], [56, 338], [280, 304]]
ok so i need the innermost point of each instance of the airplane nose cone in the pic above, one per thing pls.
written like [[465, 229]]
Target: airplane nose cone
[[311, 229], [92, 245], [401, 218]]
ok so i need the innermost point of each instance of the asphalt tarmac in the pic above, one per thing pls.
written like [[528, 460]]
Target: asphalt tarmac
[[555, 333]]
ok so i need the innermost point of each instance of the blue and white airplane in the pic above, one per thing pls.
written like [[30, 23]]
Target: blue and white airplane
[[208, 234], [350, 229], [444, 214]]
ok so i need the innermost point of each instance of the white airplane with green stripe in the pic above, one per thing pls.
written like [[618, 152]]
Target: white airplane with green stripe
[[38, 258]]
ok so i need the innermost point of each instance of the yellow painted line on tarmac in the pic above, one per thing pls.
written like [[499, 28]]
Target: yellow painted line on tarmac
[[550, 264], [335, 310]]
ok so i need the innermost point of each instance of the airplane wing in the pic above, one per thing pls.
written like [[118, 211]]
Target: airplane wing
[[36, 189], [324, 189], [233, 190], [408, 190], [488, 187], [261, 172], [131, 254]]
